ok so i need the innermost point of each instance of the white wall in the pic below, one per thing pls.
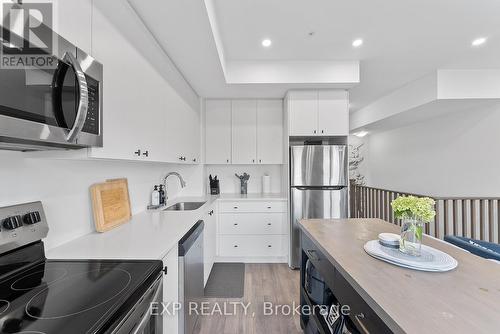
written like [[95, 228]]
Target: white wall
[[453, 155], [63, 187], [229, 183]]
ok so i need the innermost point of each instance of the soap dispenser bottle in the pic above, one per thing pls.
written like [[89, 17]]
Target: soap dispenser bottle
[[162, 195], [155, 197]]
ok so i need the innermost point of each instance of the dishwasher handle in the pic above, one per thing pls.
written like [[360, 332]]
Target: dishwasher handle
[[190, 237]]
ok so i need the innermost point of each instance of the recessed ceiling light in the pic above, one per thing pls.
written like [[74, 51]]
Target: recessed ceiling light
[[266, 43], [479, 41], [357, 43]]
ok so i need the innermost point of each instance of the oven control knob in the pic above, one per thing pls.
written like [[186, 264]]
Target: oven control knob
[[12, 223], [32, 218]]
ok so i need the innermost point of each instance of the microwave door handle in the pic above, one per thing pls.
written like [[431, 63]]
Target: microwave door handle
[[83, 101]]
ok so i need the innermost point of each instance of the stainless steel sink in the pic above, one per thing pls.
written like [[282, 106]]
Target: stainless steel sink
[[185, 206]]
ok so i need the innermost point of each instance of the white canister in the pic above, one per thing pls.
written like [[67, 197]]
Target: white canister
[[266, 184]]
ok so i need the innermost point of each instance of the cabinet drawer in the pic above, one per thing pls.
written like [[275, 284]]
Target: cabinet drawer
[[363, 317], [318, 259], [251, 245], [251, 223], [253, 206]]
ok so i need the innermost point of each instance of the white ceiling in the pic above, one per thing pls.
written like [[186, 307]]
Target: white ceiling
[[403, 40]]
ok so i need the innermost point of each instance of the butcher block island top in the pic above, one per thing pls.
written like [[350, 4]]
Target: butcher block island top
[[464, 300]]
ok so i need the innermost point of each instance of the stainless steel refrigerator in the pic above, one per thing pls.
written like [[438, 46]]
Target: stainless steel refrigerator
[[318, 187]]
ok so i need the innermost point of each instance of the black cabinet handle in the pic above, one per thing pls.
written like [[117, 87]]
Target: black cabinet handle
[[235, 207], [269, 207], [253, 160], [314, 131], [138, 153], [146, 154], [194, 160], [227, 160], [312, 254], [235, 224], [260, 160], [269, 224], [165, 270], [235, 246], [322, 131], [269, 246]]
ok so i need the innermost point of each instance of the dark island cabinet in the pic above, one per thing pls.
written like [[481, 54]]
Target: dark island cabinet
[[329, 302]]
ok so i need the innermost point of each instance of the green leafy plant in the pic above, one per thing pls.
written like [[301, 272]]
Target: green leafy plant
[[411, 207]]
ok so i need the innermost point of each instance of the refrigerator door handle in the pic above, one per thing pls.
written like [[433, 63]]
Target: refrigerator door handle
[[320, 188]]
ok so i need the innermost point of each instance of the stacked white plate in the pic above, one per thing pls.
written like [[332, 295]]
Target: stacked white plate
[[431, 259]]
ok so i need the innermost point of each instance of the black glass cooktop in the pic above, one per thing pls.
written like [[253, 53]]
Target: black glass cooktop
[[72, 296]]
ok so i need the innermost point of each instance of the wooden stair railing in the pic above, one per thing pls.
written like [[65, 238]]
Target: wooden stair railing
[[473, 217]]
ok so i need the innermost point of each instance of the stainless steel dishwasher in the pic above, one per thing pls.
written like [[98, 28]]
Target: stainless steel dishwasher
[[191, 288]]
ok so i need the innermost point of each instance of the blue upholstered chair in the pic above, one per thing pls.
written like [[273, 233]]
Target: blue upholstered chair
[[487, 250]]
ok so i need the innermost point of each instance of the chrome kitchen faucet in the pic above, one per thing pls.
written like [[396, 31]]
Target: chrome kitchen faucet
[[181, 180]]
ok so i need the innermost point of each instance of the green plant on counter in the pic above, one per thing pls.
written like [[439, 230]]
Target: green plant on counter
[[411, 207], [413, 211]]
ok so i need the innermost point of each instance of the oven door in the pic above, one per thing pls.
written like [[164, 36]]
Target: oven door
[[43, 107], [142, 319]]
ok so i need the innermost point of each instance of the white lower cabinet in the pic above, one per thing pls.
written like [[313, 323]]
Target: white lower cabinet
[[252, 223], [251, 246], [209, 241], [243, 206], [171, 291], [252, 231]]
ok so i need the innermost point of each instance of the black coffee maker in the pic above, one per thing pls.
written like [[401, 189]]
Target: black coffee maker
[[214, 185]]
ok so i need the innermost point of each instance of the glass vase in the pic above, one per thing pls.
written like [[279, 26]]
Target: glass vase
[[411, 236]]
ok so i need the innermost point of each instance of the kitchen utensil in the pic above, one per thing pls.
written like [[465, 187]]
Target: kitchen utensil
[[214, 185], [244, 182]]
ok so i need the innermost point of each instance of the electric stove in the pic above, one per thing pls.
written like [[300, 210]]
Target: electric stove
[[69, 296]]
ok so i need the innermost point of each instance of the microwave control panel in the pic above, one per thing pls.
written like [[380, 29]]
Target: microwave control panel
[[93, 112]]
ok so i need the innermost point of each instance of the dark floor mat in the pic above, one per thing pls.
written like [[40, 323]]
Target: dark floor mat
[[227, 280]]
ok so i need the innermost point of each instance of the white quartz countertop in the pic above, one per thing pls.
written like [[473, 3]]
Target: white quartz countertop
[[148, 235]]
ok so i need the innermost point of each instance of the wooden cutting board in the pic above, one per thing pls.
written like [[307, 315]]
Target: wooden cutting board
[[110, 204]]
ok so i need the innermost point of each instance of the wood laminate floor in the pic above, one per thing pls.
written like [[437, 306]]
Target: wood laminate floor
[[274, 284]]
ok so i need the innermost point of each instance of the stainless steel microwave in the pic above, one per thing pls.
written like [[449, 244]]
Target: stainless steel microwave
[[52, 108]]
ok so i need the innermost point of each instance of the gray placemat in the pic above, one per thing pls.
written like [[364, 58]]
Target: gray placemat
[[227, 280]]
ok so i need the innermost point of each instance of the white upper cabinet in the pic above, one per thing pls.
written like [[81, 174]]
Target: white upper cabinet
[[303, 108], [244, 131], [333, 112], [143, 116], [270, 131], [183, 131], [218, 132], [127, 118], [318, 113], [73, 21]]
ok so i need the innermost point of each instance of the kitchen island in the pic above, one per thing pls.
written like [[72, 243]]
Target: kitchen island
[[384, 298]]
